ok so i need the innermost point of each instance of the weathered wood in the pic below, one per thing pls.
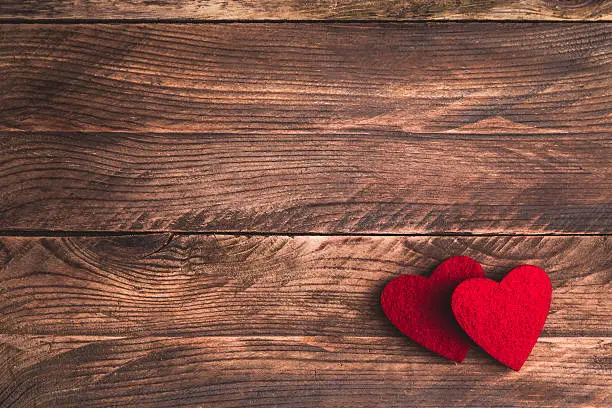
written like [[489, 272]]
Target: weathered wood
[[412, 128], [484, 77], [353, 182], [292, 372], [279, 285], [309, 10]]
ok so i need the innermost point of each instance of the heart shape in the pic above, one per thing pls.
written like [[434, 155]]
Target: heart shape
[[420, 307], [505, 318]]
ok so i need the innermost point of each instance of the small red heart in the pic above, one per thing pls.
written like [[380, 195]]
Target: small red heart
[[506, 318], [420, 307]]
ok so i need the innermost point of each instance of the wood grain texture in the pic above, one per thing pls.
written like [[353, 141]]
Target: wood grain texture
[[381, 182], [419, 78], [309, 10], [302, 128], [309, 371], [288, 286]]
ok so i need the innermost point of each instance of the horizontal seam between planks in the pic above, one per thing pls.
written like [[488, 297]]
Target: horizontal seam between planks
[[98, 233], [158, 335], [69, 21]]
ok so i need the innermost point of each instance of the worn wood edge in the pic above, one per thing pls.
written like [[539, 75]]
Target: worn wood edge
[[291, 371], [211, 285], [271, 10]]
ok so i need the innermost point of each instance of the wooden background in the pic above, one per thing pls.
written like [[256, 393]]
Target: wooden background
[[200, 202]]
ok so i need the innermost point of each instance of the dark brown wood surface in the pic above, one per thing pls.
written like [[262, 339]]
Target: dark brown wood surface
[[405, 128], [309, 9], [279, 285], [270, 78], [303, 371], [213, 320], [360, 181], [204, 215]]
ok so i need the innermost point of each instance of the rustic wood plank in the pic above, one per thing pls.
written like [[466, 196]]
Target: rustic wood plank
[[416, 77], [309, 10], [293, 372], [216, 285], [381, 182]]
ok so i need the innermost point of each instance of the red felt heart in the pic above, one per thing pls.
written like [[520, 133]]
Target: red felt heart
[[420, 307], [506, 318]]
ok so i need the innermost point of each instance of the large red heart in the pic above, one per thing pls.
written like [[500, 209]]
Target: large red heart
[[506, 318], [420, 307]]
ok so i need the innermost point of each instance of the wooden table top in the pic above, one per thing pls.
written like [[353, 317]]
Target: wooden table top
[[200, 202]]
